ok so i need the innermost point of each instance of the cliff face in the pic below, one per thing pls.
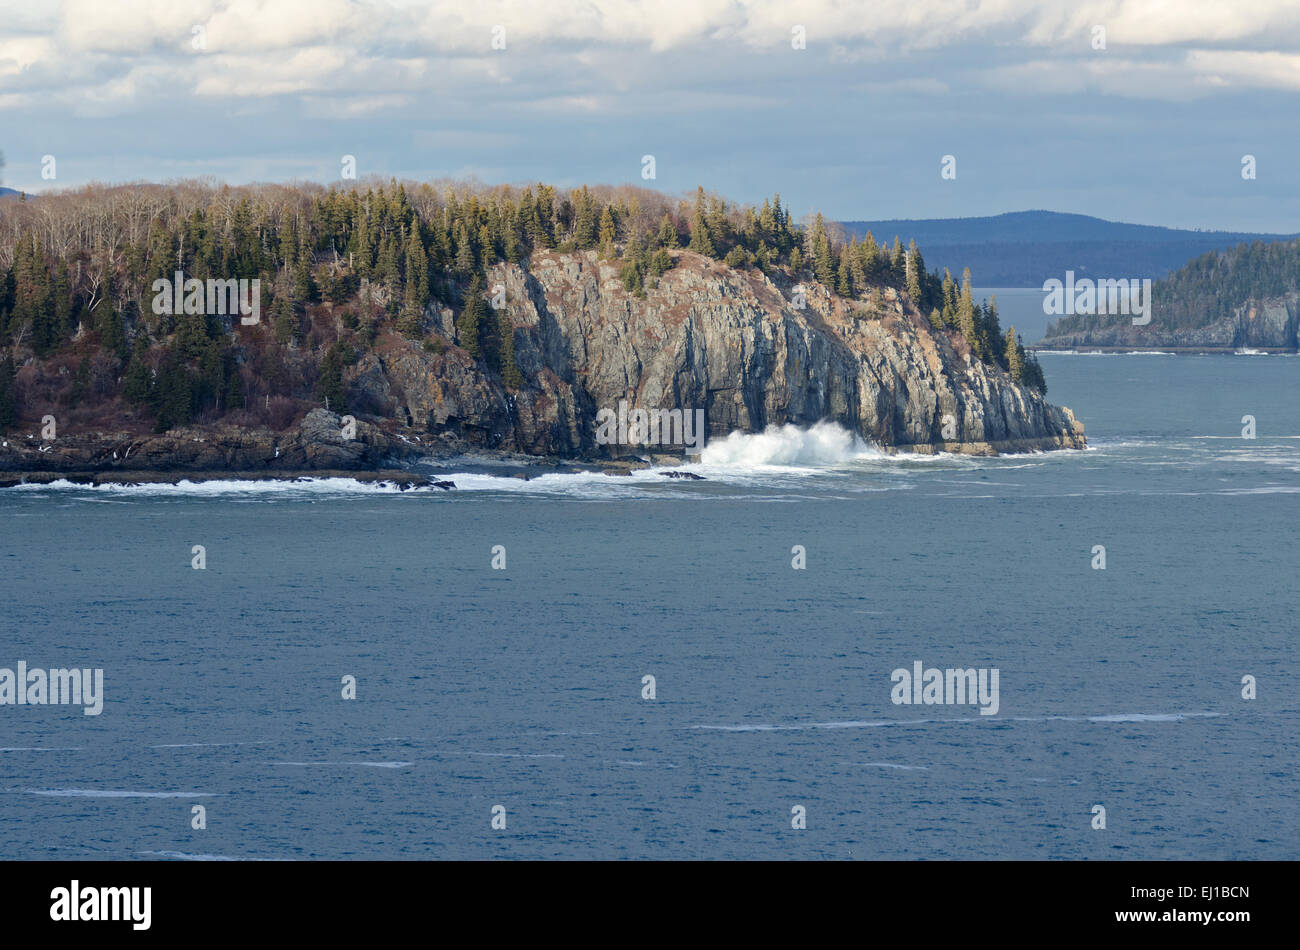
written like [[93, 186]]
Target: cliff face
[[1263, 324], [727, 341]]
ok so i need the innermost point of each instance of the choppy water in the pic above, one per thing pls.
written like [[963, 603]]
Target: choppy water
[[478, 687]]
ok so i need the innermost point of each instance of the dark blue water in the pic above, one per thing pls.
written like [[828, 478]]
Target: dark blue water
[[522, 688]]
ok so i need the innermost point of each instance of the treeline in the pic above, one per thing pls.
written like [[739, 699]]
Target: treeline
[[1209, 288], [77, 271]]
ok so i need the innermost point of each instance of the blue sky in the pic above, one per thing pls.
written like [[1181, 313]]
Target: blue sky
[[1151, 128]]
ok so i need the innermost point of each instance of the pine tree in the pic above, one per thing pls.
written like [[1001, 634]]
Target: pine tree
[[584, 227], [607, 233], [915, 269], [844, 275], [667, 236], [8, 399], [469, 324], [417, 272], [823, 263], [966, 314], [701, 242], [991, 331], [660, 263], [1015, 366], [137, 387], [330, 384], [510, 374]]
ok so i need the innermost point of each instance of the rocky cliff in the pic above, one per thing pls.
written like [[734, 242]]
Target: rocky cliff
[[729, 342], [1269, 324]]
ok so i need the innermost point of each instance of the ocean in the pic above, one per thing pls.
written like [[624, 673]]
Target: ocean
[[504, 712]]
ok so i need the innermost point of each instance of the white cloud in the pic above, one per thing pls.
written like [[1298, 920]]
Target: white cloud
[[373, 56]]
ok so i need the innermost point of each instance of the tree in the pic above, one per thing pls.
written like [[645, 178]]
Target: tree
[[469, 323], [660, 263], [966, 314], [8, 399], [915, 270], [330, 384], [667, 236], [607, 233], [137, 387], [1015, 366], [701, 242], [510, 374]]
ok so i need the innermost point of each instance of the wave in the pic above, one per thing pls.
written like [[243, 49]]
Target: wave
[[112, 793], [994, 720], [1103, 353], [373, 765], [820, 445], [774, 460], [182, 856], [304, 486]]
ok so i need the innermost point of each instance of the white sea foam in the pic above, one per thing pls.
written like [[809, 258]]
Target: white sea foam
[[776, 460], [182, 856], [112, 793], [373, 765], [225, 487], [869, 724], [821, 445]]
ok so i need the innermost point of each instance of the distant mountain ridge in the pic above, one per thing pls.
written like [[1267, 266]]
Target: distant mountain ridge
[[1025, 248]]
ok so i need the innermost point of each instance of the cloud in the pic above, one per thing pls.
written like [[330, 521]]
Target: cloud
[[378, 54]]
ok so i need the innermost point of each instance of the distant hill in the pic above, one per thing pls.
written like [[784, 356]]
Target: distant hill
[[1024, 248], [9, 192]]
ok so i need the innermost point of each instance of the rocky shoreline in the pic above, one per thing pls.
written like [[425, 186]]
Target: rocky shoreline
[[732, 347], [318, 448]]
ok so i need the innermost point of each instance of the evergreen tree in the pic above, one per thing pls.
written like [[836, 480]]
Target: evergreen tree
[[469, 324], [607, 233], [966, 314], [510, 374], [1015, 366], [915, 269], [701, 242], [667, 236], [584, 228], [330, 384], [137, 387], [8, 398]]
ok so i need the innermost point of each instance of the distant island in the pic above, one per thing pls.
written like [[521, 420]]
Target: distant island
[[197, 328], [1025, 248], [1244, 298]]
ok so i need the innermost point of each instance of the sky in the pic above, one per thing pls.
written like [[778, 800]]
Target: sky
[[1130, 110]]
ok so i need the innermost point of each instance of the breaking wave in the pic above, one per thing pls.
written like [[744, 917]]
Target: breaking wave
[[823, 444]]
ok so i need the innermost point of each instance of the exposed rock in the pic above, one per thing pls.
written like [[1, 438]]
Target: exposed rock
[[729, 343], [319, 443], [726, 341]]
